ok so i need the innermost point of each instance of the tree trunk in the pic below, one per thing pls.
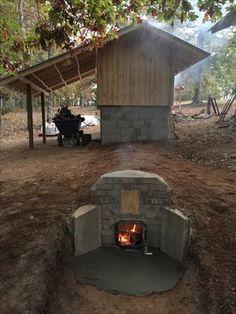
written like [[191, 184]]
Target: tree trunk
[[21, 16], [80, 100], [1, 108], [197, 99], [197, 94]]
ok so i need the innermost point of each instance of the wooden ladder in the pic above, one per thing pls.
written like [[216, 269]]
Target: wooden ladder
[[227, 106]]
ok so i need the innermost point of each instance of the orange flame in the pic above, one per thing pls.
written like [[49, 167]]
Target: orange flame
[[133, 230], [126, 237]]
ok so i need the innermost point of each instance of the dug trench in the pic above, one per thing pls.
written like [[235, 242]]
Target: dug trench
[[42, 188]]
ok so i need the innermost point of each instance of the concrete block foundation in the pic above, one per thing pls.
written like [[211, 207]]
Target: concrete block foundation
[[134, 124]]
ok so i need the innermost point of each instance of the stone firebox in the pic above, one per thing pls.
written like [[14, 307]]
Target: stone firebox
[[131, 195]]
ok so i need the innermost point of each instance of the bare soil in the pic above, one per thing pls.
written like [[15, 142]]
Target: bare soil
[[41, 188]]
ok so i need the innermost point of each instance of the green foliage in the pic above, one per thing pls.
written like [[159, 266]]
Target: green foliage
[[17, 51], [54, 25], [215, 74], [10, 100], [80, 93], [221, 75], [11, 44], [213, 9], [67, 23], [94, 20]]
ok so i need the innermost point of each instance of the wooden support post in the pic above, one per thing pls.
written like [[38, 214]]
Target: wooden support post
[[30, 116], [216, 106], [43, 117]]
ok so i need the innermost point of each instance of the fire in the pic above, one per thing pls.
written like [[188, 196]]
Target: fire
[[133, 230], [124, 239], [128, 237]]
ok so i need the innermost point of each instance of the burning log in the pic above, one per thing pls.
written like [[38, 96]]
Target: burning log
[[130, 237]]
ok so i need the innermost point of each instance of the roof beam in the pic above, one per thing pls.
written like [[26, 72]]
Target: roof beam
[[42, 82], [33, 85], [40, 66], [67, 73], [60, 74], [76, 77], [71, 80], [78, 67]]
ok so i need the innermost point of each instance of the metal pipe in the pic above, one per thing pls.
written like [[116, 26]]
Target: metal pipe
[[145, 247]]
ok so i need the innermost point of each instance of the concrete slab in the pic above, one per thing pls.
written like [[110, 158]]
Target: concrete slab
[[127, 272]]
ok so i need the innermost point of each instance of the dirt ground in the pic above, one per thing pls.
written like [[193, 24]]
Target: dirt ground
[[41, 188]]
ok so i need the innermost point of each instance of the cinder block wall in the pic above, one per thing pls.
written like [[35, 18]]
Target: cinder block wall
[[153, 193], [134, 124]]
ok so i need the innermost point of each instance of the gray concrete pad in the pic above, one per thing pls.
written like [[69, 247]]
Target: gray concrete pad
[[127, 272]]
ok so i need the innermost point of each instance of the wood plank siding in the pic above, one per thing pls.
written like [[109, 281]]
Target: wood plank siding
[[135, 71]]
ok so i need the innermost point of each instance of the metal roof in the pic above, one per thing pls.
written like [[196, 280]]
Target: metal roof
[[70, 67]]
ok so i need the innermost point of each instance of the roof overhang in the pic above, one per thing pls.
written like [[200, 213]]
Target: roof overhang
[[54, 73], [70, 67]]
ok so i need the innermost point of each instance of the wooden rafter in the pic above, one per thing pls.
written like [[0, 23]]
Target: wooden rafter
[[42, 82], [41, 66], [78, 67], [33, 85], [60, 74], [71, 80], [87, 70]]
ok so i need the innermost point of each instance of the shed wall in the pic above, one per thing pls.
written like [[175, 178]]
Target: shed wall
[[133, 71]]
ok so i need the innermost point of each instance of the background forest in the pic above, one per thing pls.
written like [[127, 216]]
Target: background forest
[[34, 30]]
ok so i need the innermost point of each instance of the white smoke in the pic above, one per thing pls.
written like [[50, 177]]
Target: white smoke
[[196, 33]]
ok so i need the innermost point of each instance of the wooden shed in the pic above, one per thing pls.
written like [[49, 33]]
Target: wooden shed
[[135, 76]]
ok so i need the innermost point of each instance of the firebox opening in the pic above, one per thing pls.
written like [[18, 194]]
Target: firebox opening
[[130, 234]]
